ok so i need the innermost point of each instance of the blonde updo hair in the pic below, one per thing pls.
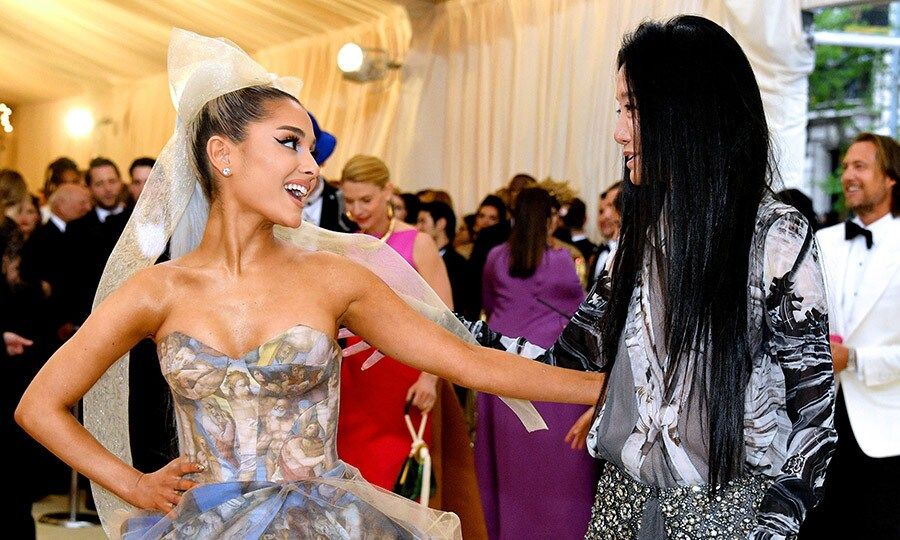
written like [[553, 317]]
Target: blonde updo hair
[[368, 169]]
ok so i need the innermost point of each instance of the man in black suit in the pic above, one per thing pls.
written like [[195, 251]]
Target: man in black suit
[[48, 257], [139, 171], [325, 205], [573, 223], [609, 220], [46, 270], [94, 235], [437, 220]]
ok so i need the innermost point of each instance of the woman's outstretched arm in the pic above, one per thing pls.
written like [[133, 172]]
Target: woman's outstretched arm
[[403, 334], [579, 346], [130, 314], [423, 392]]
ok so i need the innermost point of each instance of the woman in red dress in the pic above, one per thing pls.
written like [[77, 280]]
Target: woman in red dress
[[372, 434]]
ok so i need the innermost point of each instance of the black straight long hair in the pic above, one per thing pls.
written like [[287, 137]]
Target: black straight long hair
[[703, 142]]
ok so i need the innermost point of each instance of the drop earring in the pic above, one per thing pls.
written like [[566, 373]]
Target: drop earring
[[226, 171]]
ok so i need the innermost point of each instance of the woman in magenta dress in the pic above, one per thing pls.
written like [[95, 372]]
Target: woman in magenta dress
[[371, 432], [531, 289]]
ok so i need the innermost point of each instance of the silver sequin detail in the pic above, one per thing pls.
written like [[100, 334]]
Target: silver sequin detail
[[687, 512]]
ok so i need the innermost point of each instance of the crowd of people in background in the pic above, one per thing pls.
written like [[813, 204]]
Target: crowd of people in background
[[523, 261]]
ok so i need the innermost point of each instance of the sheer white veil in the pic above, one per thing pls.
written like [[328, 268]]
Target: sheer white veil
[[173, 207]]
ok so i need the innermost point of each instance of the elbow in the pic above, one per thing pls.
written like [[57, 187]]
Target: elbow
[[24, 415], [29, 413]]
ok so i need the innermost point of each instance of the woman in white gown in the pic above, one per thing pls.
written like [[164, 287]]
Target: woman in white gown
[[245, 317]]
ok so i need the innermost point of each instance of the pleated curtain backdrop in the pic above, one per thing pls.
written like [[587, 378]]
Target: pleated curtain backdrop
[[488, 89]]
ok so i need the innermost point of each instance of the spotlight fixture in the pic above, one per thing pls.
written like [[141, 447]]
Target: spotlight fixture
[[79, 122], [5, 111], [364, 64]]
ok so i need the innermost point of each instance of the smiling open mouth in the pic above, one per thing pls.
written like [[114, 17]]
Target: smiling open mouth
[[296, 191]]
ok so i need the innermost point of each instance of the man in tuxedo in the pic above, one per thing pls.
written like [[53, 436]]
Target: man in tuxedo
[[46, 265], [437, 220], [609, 219], [94, 235], [861, 259], [573, 225], [325, 205], [151, 418], [47, 256], [60, 172]]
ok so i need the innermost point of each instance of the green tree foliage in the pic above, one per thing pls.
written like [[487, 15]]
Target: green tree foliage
[[844, 76]]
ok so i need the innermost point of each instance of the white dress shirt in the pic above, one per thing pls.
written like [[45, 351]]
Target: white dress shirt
[[58, 221], [103, 213], [312, 210], [604, 258], [858, 258]]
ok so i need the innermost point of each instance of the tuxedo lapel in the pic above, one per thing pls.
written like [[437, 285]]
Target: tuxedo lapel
[[883, 267], [835, 264], [594, 260]]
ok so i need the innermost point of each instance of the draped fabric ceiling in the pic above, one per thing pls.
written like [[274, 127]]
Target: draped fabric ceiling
[[489, 88], [57, 48]]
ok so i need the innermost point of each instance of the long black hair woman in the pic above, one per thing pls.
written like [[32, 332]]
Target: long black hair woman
[[713, 328]]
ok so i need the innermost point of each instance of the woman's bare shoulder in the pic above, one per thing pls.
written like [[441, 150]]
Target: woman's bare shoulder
[[159, 282], [168, 274], [328, 266], [402, 226]]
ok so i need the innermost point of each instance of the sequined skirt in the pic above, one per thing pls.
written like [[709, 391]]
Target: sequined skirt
[[625, 509]]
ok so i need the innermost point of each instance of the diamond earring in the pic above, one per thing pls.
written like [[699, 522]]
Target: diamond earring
[[226, 171]]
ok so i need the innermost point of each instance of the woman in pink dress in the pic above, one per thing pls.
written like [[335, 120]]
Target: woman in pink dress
[[371, 432]]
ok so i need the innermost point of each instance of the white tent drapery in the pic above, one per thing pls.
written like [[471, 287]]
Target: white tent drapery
[[489, 88]]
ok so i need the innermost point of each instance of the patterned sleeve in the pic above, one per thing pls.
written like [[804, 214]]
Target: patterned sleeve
[[796, 321], [578, 347]]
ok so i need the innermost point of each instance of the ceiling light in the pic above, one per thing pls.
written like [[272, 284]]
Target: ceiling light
[[364, 64], [5, 112], [350, 58], [79, 122]]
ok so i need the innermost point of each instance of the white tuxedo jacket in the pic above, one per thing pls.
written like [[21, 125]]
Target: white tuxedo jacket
[[872, 327]]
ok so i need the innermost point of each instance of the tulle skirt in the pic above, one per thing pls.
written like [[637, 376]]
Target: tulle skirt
[[337, 505]]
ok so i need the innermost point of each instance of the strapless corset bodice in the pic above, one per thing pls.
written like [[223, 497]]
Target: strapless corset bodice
[[264, 427], [269, 415]]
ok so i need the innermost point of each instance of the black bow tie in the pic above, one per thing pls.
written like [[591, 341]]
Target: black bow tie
[[852, 230]]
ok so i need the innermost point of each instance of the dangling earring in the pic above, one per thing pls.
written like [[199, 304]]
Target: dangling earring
[[390, 211], [226, 171]]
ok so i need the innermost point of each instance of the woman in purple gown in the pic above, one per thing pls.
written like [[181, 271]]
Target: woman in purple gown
[[531, 289]]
